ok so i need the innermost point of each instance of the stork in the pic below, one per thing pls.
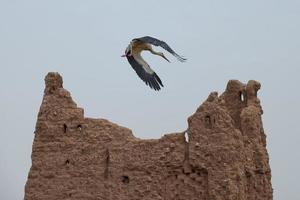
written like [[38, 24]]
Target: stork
[[141, 67]]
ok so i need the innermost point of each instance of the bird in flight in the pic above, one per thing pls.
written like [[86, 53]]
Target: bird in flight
[[141, 67]]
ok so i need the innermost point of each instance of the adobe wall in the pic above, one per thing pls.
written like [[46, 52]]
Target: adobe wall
[[225, 157]]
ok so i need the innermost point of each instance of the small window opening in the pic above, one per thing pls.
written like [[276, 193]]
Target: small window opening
[[106, 164], [241, 96], [207, 119], [208, 122], [79, 127], [248, 174], [65, 128], [125, 179], [67, 162], [52, 89], [186, 137]]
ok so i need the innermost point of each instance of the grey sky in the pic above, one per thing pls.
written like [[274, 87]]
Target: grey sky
[[83, 40]]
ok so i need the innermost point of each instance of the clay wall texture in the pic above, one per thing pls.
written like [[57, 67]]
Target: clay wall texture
[[221, 156]]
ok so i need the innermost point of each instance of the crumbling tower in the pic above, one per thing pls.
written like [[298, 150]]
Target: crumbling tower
[[224, 158]]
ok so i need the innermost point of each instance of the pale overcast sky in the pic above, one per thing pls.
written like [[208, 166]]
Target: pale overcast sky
[[83, 41]]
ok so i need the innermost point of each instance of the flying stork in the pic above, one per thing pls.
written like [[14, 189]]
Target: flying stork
[[141, 67]]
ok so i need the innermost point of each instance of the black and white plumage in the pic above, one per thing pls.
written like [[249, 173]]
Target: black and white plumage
[[157, 42], [141, 67]]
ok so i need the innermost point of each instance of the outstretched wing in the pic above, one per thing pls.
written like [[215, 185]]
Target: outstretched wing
[[144, 71], [162, 44]]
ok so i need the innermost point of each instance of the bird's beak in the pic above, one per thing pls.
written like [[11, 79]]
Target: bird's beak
[[123, 55], [165, 58]]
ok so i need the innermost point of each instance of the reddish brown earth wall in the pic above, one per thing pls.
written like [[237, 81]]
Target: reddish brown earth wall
[[224, 157]]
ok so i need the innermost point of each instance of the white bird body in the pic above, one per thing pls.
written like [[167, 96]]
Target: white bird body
[[142, 68], [142, 62]]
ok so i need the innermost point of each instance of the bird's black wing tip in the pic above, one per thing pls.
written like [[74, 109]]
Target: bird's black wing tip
[[182, 59]]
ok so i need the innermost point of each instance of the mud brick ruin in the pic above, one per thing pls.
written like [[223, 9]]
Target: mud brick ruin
[[224, 157]]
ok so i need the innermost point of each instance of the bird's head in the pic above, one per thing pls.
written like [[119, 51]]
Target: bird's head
[[162, 55], [127, 51]]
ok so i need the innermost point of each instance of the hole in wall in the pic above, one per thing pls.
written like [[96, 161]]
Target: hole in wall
[[186, 137], [65, 128], [52, 88], [67, 162], [125, 179], [106, 171], [248, 174], [79, 127], [242, 98], [207, 120]]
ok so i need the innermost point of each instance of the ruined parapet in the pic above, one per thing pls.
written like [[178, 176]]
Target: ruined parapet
[[225, 157], [227, 140]]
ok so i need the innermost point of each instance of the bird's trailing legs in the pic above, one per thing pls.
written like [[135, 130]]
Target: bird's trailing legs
[[162, 55], [159, 54]]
